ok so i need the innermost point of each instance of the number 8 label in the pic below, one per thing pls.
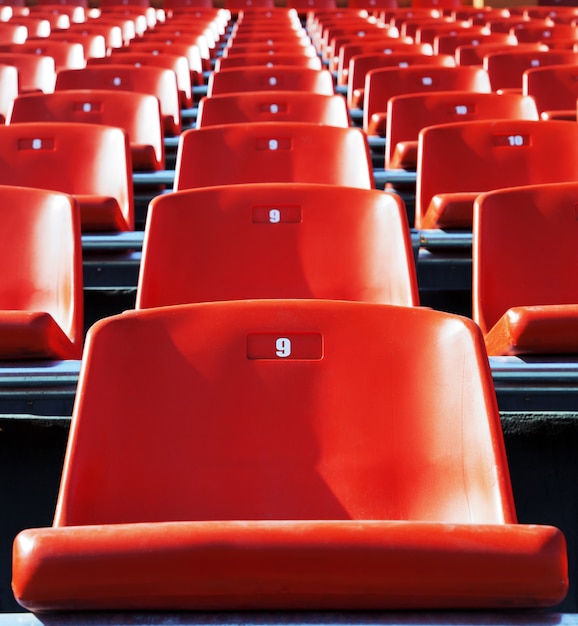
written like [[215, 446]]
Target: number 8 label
[[283, 347]]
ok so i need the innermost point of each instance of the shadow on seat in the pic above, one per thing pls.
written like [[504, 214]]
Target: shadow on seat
[[41, 296], [286, 455], [524, 267]]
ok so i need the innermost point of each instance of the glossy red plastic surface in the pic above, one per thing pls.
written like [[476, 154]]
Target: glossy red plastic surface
[[89, 161], [506, 68], [524, 264], [176, 62], [383, 84], [276, 106], [277, 241], [554, 88], [66, 54], [272, 61], [407, 115], [273, 152], [41, 297], [361, 64], [137, 113], [35, 72], [483, 155], [383, 44], [276, 454], [8, 90], [156, 81], [281, 78]]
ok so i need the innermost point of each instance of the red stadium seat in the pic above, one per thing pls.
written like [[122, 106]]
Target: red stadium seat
[[554, 88], [35, 73], [506, 68], [382, 84], [8, 90], [286, 454], [407, 115], [273, 152], [88, 161], [360, 65], [271, 61], [41, 298], [273, 106], [177, 63], [137, 113], [459, 161], [154, 80], [280, 78], [275, 240], [524, 267]]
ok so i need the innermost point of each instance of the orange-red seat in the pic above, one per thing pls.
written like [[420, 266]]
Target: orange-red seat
[[384, 83], [273, 152], [35, 73], [361, 65], [459, 161], [66, 54], [547, 34], [41, 297], [177, 63], [383, 44], [285, 455], [473, 54], [554, 88], [272, 106], [8, 90], [88, 161], [447, 43], [154, 80], [407, 115], [280, 78], [525, 261], [270, 61], [277, 240], [137, 113], [506, 68]]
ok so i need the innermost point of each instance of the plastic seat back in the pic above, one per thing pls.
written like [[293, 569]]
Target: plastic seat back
[[66, 54], [157, 81], [277, 241], [407, 115], [480, 156], [263, 399], [177, 63], [524, 267], [273, 152], [35, 73], [473, 54], [360, 65], [554, 88], [41, 297], [383, 44], [137, 113], [267, 106], [383, 84], [506, 69], [271, 61], [88, 161], [8, 90], [283, 78]]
